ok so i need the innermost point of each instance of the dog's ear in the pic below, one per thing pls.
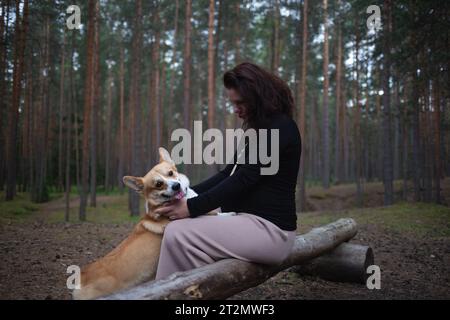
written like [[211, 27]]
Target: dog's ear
[[165, 156], [135, 183]]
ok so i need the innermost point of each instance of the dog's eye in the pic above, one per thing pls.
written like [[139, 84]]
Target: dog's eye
[[170, 173], [159, 184]]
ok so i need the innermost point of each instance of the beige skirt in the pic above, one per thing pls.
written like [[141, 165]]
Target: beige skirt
[[193, 242]]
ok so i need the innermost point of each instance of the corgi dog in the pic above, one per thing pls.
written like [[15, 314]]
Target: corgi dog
[[135, 259]]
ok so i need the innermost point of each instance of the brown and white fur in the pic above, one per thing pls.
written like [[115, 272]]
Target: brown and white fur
[[135, 259]]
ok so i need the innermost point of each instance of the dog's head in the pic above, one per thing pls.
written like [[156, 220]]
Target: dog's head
[[161, 184]]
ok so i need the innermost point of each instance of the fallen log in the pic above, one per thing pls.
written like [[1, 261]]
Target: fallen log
[[347, 263], [227, 277]]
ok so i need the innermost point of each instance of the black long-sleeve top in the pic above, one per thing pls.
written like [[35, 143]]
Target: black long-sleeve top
[[269, 196]]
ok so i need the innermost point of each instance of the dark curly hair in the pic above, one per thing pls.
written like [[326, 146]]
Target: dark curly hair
[[264, 94]]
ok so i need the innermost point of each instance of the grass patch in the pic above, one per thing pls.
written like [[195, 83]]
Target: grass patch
[[19, 209], [111, 209], [419, 219]]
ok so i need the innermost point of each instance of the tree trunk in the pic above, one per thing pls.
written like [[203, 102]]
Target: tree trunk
[[211, 67], [187, 61], [108, 133], [21, 30], [236, 33], [187, 67], [120, 169], [275, 63], [77, 147], [237, 46], [162, 103], [357, 125], [26, 128], [172, 73], [379, 122], [405, 133], [3, 86], [70, 106], [345, 134], [437, 140], [227, 277], [427, 144], [302, 104], [325, 129], [88, 93], [94, 108], [41, 193], [387, 117], [396, 140], [318, 139], [61, 114], [28, 138], [226, 44], [135, 106], [339, 158], [155, 111], [416, 131]]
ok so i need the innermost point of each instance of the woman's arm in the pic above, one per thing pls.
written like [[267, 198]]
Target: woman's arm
[[227, 190], [213, 181]]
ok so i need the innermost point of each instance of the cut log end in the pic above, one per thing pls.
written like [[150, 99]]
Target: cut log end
[[347, 263]]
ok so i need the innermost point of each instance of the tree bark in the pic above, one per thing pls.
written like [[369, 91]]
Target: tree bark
[[339, 161], [4, 18], [325, 119], [155, 98], [237, 46], [135, 106], [387, 117], [227, 277], [162, 97], [275, 63], [211, 67], [120, 169], [61, 114], [302, 104], [357, 125], [95, 108], [108, 131], [437, 140], [427, 144], [405, 145], [416, 145], [172, 73], [70, 106], [21, 30], [88, 93], [187, 66]]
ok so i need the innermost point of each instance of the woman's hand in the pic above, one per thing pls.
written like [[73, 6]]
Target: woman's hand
[[177, 209]]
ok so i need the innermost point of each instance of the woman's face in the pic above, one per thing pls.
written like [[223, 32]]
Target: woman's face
[[237, 102]]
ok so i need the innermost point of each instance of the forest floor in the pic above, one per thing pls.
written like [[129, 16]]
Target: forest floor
[[411, 243]]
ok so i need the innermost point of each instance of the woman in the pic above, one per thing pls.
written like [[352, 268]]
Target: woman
[[264, 229]]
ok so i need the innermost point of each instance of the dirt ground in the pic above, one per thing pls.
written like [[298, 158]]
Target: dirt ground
[[34, 256], [33, 265], [411, 268]]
